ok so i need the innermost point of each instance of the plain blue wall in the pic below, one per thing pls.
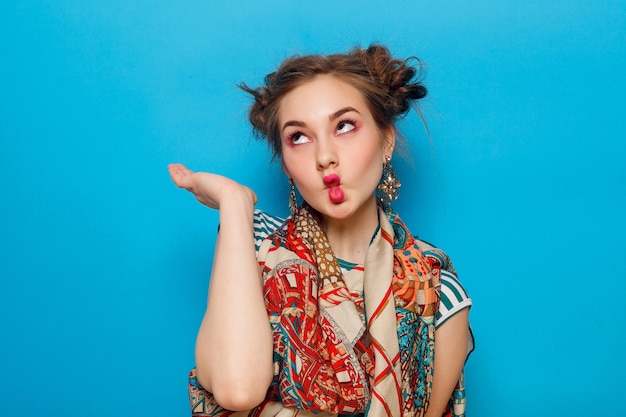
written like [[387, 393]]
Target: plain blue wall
[[104, 264]]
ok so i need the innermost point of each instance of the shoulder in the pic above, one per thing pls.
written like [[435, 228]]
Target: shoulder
[[264, 225], [454, 296], [436, 255]]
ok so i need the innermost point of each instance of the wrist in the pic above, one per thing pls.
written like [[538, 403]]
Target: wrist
[[238, 207]]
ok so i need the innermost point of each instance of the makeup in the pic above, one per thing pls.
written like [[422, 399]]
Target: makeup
[[335, 193]]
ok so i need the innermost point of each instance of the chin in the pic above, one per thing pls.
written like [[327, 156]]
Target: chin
[[344, 210], [339, 211]]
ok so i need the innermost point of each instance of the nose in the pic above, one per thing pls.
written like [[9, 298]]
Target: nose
[[326, 154]]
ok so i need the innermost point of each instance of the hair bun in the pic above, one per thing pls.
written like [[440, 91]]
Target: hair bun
[[400, 79]]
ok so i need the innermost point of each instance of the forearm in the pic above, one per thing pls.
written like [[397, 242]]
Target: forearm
[[451, 340], [234, 345]]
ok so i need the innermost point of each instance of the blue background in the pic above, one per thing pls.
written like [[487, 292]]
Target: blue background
[[104, 263]]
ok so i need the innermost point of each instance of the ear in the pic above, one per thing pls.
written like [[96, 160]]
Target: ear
[[389, 141]]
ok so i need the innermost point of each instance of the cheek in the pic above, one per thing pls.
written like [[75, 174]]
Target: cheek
[[367, 171], [376, 174], [288, 159], [370, 160], [374, 170], [294, 167]]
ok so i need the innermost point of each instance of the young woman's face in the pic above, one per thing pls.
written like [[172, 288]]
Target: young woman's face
[[332, 148]]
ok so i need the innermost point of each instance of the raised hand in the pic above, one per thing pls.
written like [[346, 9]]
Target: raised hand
[[210, 189], [234, 345]]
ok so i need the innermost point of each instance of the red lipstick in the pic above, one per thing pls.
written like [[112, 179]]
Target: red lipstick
[[335, 193]]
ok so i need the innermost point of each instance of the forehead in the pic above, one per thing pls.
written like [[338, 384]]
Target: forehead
[[320, 97]]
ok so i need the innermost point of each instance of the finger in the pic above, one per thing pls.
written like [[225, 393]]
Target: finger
[[180, 175], [177, 169]]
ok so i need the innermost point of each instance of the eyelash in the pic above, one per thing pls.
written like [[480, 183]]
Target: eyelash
[[295, 135], [348, 121]]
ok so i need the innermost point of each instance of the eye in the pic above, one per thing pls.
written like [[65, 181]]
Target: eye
[[298, 138], [345, 126]]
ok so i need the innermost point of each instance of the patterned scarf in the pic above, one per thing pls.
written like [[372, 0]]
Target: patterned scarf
[[331, 356]]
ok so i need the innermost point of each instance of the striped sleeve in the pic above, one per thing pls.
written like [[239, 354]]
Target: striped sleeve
[[454, 297], [264, 224]]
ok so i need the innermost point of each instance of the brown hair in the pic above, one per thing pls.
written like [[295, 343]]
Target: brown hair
[[389, 86]]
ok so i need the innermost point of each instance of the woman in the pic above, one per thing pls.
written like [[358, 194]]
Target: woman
[[353, 299]]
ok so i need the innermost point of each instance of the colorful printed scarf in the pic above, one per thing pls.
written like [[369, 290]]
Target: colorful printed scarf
[[331, 356]]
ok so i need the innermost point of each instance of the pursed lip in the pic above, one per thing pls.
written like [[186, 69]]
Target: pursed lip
[[331, 180]]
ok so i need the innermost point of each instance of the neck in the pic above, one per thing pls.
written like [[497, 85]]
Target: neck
[[350, 237]]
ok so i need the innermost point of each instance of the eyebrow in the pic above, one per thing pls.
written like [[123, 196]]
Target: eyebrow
[[332, 116], [341, 112]]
